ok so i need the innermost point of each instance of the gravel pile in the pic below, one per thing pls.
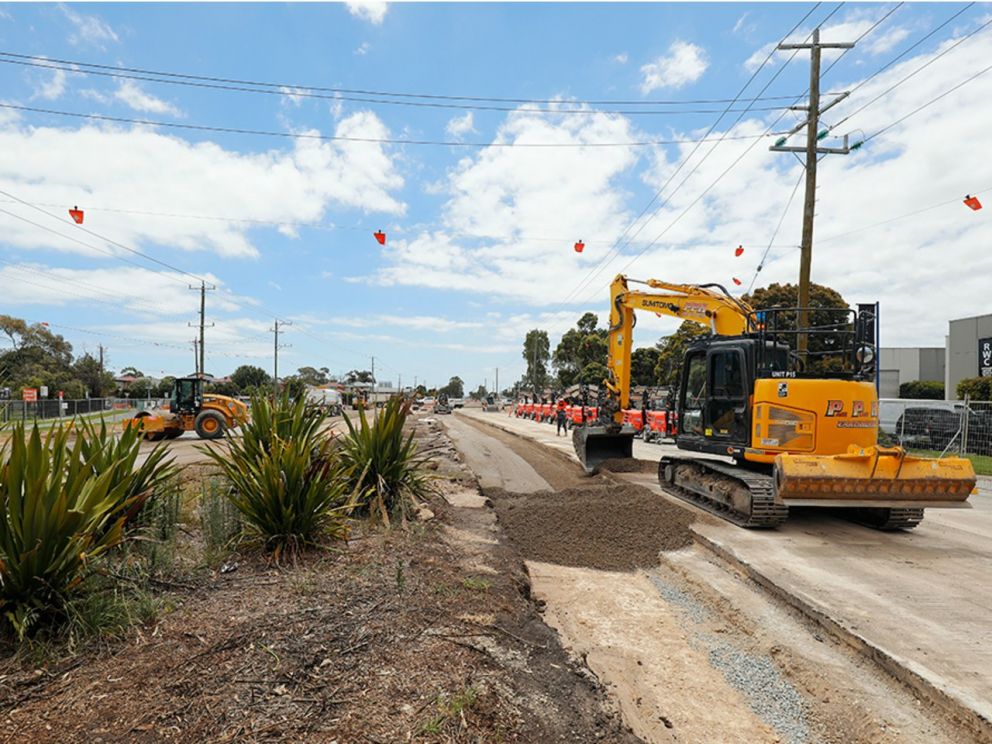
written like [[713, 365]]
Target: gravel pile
[[773, 699], [614, 527], [629, 465]]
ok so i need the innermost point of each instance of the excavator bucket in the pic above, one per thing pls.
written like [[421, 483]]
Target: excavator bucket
[[594, 445], [878, 477]]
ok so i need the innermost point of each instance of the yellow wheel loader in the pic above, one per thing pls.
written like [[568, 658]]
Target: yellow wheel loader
[[792, 413], [190, 409]]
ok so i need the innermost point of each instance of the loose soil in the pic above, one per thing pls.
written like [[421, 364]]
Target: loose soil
[[614, 527], [399, 635]]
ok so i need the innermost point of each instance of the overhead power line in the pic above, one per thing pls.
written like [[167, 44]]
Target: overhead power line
[[620, 244], [915, 72], [294, 88], [563, 107], [337, 138]]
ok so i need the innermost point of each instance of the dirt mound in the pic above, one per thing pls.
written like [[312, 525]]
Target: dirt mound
[[611, 527], [629, 465]]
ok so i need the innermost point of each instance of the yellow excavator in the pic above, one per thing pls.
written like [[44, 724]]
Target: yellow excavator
[[793, 414], [190, 409]]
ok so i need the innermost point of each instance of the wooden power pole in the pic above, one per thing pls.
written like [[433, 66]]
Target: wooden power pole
[[200, 369], [811, 150]]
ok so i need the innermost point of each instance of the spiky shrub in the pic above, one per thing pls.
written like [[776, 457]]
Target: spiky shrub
[[381, 465], [58, 517], [283, 477], [103, 451]]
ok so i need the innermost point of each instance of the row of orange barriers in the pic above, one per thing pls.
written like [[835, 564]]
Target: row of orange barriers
[[659, 424]]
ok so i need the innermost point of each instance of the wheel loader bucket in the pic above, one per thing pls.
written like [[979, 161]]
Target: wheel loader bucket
[[873, 477], [594, 445]]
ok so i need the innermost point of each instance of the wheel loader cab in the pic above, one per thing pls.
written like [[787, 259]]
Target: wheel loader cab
[[187, 395]]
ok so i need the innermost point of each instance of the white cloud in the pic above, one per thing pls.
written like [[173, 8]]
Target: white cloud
[[51, 88], [363, 49], [131, 94], [621, 59], [928, 160], [742, 24], [89, 30], [851, 27], [275, 285], [109, 167], [291, 96], [141, 291], [368, 10], [887, 41], [459, 126], [685, 63], [508, 198]]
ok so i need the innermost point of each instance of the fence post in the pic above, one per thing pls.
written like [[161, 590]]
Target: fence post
[[964, 424]]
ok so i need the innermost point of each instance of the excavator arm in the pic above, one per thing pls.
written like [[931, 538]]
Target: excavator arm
[[709, 305]]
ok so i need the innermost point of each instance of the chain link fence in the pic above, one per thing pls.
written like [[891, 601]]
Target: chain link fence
[[110, 408], [939, 427]]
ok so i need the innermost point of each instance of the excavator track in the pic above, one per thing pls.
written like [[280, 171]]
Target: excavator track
[[741, 496], [886, 520]]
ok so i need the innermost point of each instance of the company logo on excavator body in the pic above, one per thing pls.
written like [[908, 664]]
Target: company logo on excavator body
[[859, 409]]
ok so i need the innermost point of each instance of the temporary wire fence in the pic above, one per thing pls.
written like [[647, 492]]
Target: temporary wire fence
[[939, 427], [110, 409]]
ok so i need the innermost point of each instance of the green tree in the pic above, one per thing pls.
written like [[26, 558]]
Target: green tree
[[479, 394], [140, 388], [132, 372], [356, 375], [37, 358], [671, 351], [164, 387], [454, 389], [580, 346], [224, 388], [593, 374], [975, 388], [293, 386], [642, 366], [313, 376], [922, 390], [248, 377], [824, 303], [537, 354], [98, 382]]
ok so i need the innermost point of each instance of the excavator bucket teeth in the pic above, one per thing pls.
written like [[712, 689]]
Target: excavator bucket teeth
[[594, 445], [873, 477]]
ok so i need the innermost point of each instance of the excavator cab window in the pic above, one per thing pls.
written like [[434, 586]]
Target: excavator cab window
[[694, 395], [726, 409]]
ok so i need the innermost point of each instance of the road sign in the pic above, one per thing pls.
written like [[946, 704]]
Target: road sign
[[44, 391], [29, 395], [61, 394]]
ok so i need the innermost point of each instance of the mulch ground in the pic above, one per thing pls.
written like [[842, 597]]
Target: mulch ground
[[386, 640], [611, 526]]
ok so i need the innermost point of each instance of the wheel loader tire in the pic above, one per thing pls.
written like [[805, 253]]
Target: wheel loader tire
[[209, 425], [175, 434]]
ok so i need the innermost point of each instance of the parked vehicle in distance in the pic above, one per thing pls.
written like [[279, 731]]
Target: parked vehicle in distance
[[456, 402]]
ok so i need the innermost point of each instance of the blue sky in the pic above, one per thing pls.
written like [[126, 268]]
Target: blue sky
[[479, 239]]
